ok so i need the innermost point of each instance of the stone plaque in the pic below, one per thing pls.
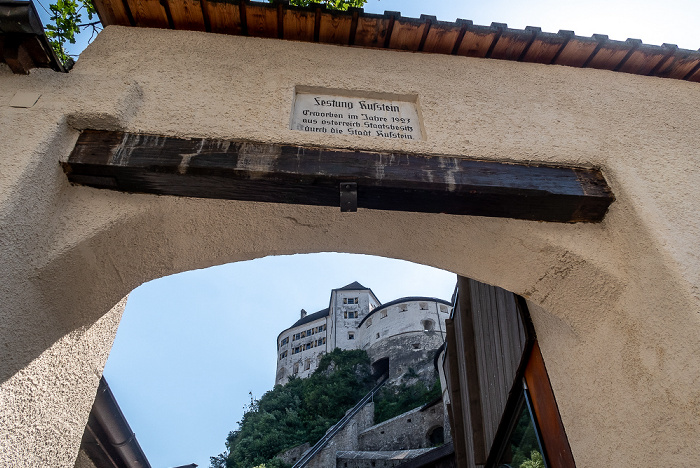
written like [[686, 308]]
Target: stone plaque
[[372, 115]]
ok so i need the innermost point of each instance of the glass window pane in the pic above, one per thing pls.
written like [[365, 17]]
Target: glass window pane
[[523, 449]]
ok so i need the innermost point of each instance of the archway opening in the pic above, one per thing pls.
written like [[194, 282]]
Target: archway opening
[[196, 347]]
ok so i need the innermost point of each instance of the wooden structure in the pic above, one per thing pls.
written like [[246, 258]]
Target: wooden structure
[[23, 45], [491, 361], [392, 31], [333, 177]]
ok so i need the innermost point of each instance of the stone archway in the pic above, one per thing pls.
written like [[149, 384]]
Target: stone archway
[[614, 304]]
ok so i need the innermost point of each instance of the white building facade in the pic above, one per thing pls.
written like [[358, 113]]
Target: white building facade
[[356, 319]]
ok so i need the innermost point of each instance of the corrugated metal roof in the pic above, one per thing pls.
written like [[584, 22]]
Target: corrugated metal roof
[[392, 31]]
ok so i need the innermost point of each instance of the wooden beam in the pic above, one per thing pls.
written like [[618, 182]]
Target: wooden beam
[[237, 170], [554, 438]]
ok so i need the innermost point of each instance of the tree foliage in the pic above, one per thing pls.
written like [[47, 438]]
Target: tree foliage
[[330, 4], [66, 20], [300, 411], [394, 400]]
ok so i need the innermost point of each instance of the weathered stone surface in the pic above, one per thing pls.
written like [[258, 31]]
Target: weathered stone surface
[[410, 430]]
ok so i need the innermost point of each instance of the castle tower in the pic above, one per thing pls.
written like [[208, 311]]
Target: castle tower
[[301, 346], [348, 306]]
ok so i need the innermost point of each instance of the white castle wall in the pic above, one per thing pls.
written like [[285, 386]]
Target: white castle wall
[[405, 331], [301, 356], [345, 326]]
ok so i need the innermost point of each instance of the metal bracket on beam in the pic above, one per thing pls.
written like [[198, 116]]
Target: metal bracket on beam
[[348, 197]]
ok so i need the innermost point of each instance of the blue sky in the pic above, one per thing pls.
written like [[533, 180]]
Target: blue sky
[[652, 21], [191, 346]]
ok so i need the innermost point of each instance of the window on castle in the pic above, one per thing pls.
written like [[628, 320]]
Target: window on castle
[[308, 332], [384, 313], [296, 368], [350, 314], [283, 355], [284, 341], [377, 335], [296, 337], [403, 308], [351, 336], [307, 365], [423, 306], [296, 350], [428, 325], [369, 322], [443, 309], [321, 328]]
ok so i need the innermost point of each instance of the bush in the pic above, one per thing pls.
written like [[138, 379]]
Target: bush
[[394, 400], [300, 411]]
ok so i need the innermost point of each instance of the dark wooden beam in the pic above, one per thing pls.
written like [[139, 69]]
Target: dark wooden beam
[[237, 170]]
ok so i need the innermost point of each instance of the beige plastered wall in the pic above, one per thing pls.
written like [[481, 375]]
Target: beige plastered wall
[[615, 305]]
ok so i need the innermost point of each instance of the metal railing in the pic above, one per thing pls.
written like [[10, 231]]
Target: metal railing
[[313, 451]]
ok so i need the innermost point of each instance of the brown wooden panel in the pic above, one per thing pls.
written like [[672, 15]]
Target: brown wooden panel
[[695, 76], [499, 344], [511, 44], [456, 413], [545, 407], [112, 12], [545, 47], [148, 13], [372, 30], [224, 17], [299, 24], [17, 57], [407, 34], [335, 28], [261, 19], [644, 59], [577, 51], [682, 62], [477, 41], [470, 379], [187, 14], [441, 38], [610, 53]]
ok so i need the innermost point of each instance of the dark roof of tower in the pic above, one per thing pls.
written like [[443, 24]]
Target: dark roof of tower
[[311, 317], [404, 299], [354, 286]]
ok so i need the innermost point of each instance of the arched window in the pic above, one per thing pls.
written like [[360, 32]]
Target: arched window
[[436, 436], [428, 325]]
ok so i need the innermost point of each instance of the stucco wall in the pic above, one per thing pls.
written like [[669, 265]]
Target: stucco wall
[[615, 305]]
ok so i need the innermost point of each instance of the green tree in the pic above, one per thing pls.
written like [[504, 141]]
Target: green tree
[[330, 4], [535, 461], [300, 411], [394, 400], [66, 20]]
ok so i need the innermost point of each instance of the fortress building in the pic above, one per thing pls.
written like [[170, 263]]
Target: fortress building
[[397, 335]]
